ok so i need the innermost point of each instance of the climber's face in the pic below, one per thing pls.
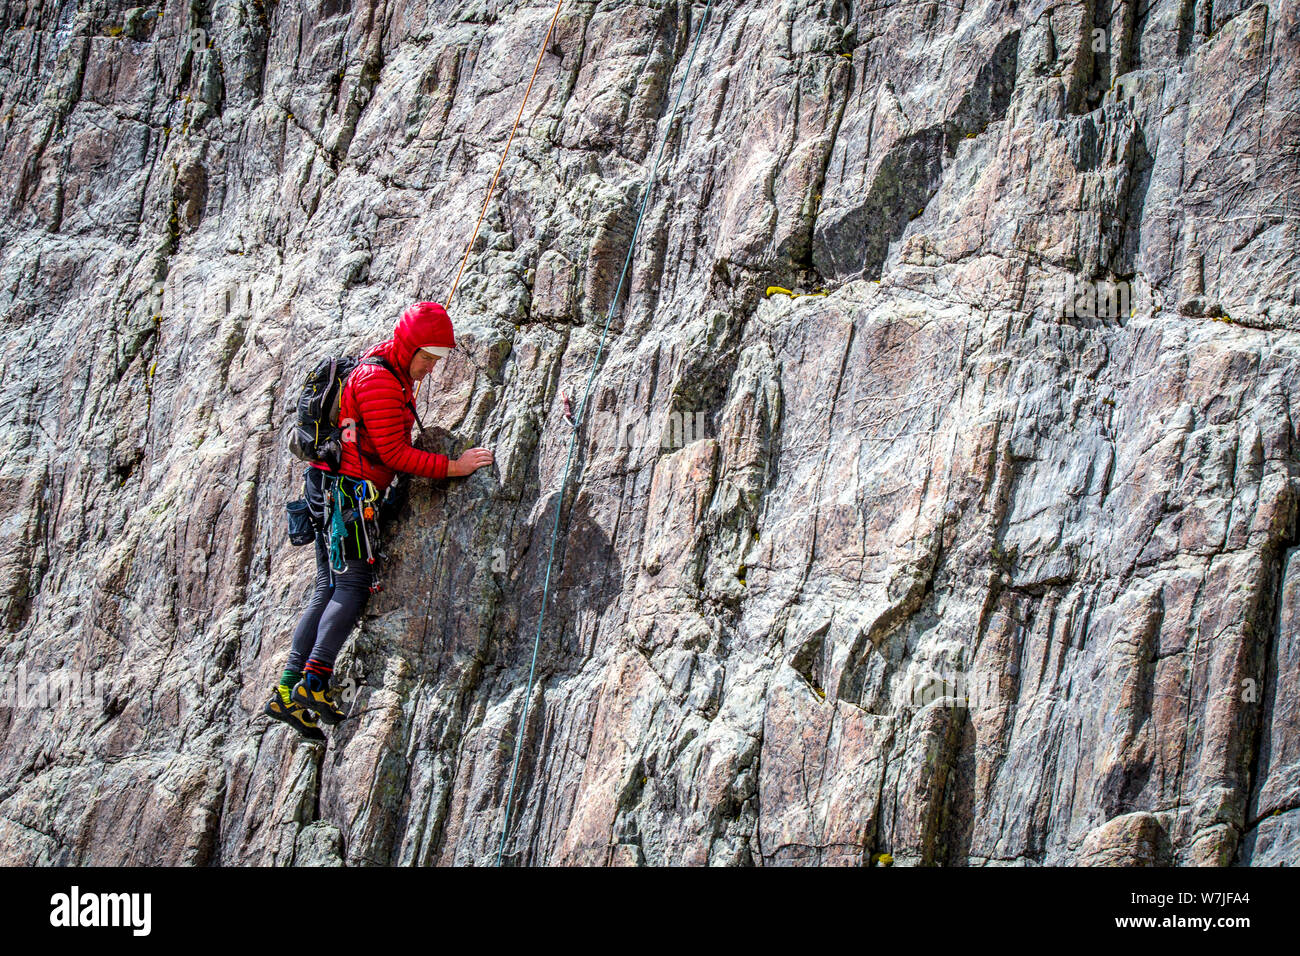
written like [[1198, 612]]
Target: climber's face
[[422, 364]]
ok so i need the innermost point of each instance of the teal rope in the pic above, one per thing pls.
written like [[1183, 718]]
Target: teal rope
[[343, 512], [577, 424], [338, 529]]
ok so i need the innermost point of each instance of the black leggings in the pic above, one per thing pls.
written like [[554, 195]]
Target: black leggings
[[334, 608], [337, 599]]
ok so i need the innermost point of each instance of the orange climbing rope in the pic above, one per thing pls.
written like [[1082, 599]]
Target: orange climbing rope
[[541, 53]]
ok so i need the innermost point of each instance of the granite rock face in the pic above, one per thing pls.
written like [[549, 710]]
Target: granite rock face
[[985, 556]]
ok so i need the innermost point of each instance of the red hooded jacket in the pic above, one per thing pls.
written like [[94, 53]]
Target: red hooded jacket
[[381, 403]]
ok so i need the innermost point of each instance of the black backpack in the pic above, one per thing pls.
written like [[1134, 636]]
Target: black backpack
[[317, 436]]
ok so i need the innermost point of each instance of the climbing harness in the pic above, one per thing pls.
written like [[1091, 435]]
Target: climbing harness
[[577, 424], [352, 513]]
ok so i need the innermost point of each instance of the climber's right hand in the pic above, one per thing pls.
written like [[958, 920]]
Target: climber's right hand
[[468, 463]]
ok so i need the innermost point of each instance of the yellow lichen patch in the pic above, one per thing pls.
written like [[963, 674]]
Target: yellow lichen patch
[[778, 290]]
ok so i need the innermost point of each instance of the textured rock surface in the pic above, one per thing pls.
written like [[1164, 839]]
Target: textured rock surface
[[1036, 441]]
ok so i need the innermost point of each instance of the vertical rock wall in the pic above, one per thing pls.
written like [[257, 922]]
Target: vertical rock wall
[[1033, 445]]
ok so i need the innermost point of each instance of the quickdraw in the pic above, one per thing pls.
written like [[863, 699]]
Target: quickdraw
[[352, 506]]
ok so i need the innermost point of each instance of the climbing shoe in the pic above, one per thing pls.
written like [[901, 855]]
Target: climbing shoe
[[296, 716], [321, 699]]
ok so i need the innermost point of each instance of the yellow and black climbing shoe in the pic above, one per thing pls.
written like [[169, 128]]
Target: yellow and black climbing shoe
[[299, 718], [320, 698]]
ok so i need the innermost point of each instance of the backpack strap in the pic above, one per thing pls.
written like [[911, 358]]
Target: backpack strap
[[383, 363]]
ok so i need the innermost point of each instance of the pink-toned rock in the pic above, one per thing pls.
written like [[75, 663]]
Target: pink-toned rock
[[982, 557]]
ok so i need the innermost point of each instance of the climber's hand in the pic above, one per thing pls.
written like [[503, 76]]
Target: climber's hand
[[468, 463]]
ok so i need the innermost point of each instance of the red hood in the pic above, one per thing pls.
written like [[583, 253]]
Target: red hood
[[425, 323]]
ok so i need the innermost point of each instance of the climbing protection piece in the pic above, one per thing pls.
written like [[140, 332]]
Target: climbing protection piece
[[582, 411]]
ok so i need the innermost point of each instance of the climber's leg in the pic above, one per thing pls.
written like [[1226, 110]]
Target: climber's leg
[[281, 705], [349, 599], [304, 635]]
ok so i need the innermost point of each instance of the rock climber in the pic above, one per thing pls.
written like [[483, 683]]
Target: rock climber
[[377, 411]]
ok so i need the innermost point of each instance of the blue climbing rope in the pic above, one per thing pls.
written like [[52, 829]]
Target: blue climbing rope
[[577, 424]]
